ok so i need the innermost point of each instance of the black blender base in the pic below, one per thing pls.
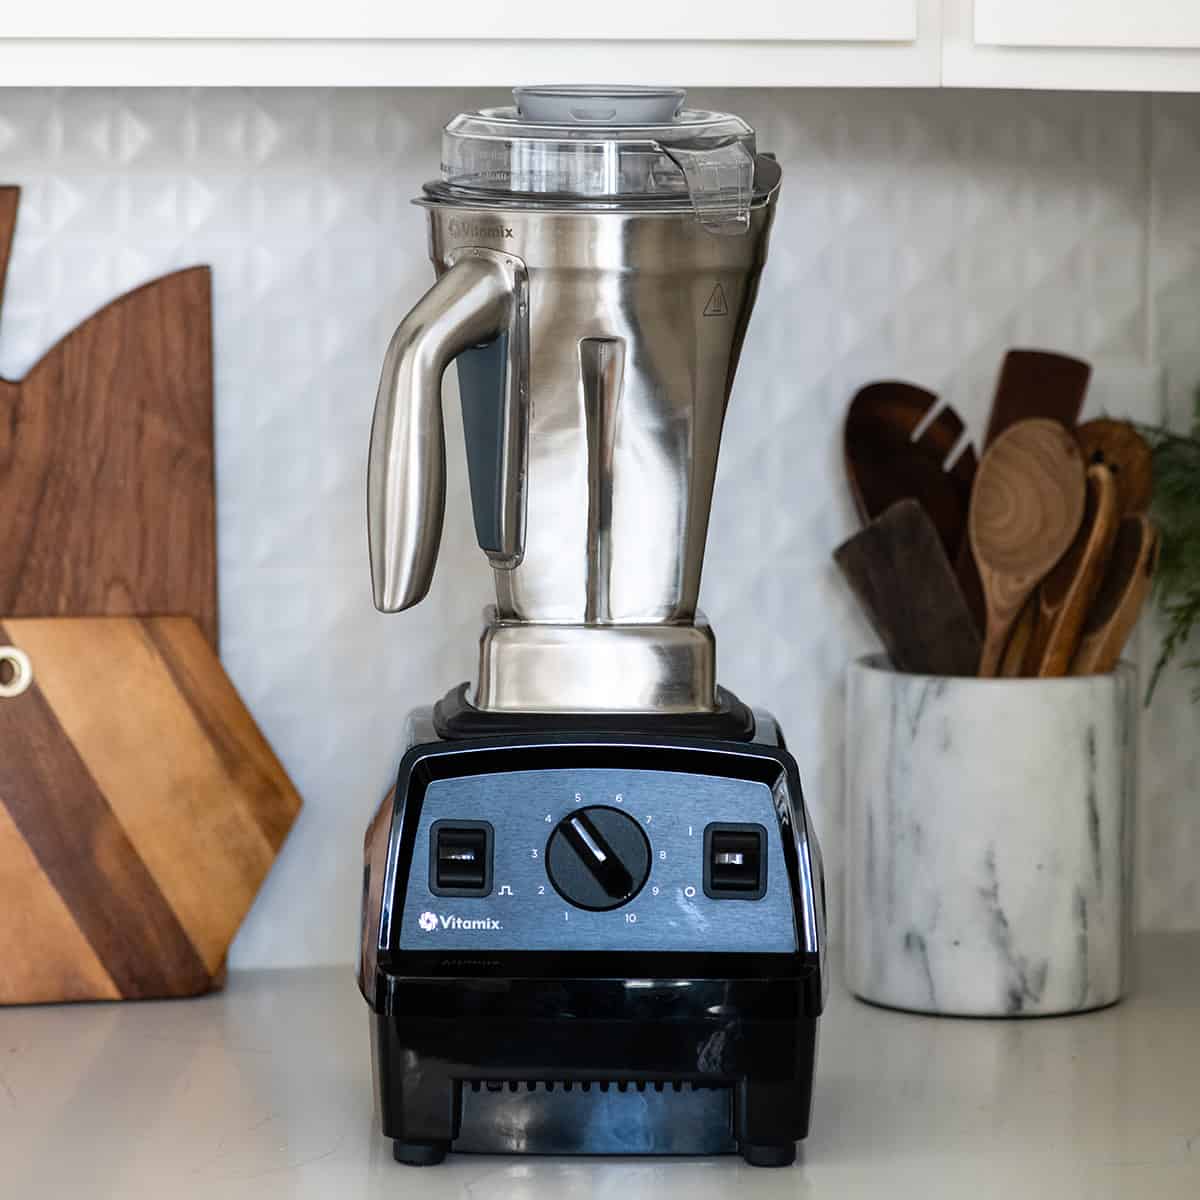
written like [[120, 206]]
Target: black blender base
[[428, 1110], [652, 1043]]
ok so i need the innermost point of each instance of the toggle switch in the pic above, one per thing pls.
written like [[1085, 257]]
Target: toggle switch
[[735, 862], [460, 858]]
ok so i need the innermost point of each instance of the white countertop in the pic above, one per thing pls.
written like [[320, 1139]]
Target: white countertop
[[264, 1090]]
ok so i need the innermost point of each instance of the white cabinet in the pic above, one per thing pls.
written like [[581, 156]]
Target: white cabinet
[[1125, 24], [1106, 45], [767, 43], [470, 20]]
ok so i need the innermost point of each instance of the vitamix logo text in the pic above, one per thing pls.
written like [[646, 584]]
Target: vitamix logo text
[[478, 229], [430, 921]]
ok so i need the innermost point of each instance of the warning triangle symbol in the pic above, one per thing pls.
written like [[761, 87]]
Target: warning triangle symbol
[[717, 305]]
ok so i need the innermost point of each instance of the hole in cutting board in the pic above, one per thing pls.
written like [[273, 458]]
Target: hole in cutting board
[[16, 671]]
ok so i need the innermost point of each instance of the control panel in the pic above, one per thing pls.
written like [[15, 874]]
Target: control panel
[[598, 859]]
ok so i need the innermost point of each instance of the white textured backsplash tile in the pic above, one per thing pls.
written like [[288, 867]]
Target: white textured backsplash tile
[[919, 234]]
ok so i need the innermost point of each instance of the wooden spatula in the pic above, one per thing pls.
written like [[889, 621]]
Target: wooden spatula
[[1066, 594], [899, 571], [1025, 510], [1119, 601], [1127, 455], [885, 462], [1037, 383]]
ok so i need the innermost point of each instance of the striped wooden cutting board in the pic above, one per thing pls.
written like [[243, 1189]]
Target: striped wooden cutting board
[[140, 809]]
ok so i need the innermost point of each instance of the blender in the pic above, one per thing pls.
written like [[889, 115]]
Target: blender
[[593, 908]]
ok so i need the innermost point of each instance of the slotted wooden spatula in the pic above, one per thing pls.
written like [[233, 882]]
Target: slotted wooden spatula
[[897, 568], [887, 462]]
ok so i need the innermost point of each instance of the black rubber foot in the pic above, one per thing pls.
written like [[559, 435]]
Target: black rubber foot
[[782, 1155], [419, 1154]]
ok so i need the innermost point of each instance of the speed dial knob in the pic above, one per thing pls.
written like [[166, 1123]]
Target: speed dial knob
[[598, 858]]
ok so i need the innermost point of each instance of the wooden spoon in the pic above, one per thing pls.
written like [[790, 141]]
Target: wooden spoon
[[1126, 454], [1031, 383], [898, 570], [885, 463], [1119, 601], [1025, 510], [1066, 594]]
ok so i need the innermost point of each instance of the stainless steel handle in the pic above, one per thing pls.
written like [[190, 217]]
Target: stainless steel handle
[[480, 297]]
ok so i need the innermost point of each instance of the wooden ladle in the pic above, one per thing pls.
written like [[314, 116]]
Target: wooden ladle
[[1119, 446], [1026, 508]]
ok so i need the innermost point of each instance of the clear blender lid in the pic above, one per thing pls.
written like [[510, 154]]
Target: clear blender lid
[[605, 146]]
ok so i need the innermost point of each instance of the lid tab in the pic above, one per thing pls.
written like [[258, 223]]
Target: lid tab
[[575, 104]]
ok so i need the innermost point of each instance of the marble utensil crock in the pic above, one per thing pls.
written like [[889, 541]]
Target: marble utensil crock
[[989, 826]]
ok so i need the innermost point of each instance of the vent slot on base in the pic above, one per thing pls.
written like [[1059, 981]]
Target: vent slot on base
[[586, 1085], [596, 1116]]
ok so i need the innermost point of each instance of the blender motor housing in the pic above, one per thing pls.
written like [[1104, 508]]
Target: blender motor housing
[[681, 1022]]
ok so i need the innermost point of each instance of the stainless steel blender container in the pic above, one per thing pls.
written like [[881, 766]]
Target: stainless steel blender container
[[597, 258], [593, 910]]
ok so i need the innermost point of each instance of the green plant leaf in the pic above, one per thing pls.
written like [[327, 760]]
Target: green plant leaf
[[1176, 512]]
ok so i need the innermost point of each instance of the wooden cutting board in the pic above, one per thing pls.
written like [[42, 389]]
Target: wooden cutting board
[[140, 810], [106, 460]]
